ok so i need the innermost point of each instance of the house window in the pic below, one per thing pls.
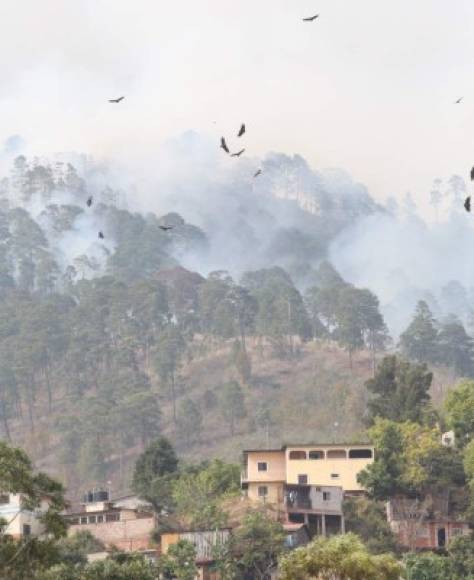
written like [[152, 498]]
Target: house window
[[112, 517], [326, 495], [302, 479], [457, 532], [316, 455], [92, 519], [4, 498], [26, 530], [336, 454], [100, 519], [360, 454], [73, 521], [297, 454], [262, 491], [422, 532], [84, 520], [262, 466], [334, 475]]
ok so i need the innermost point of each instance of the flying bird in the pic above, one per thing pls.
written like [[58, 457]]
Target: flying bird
[[467, 204], [116, 100], [224, 145], [258, 172], [101, 236], [472, 174], [89, 201], [238, 154], [241, 130], [310, 18], [165, 228], [459, 100]]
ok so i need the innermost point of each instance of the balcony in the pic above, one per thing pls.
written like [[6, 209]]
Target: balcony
[[244, 476], [298, 502]]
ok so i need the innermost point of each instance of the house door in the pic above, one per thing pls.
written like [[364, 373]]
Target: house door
[[441, 537]]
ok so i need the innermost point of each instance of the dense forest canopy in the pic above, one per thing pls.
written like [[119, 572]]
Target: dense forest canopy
[[98, 336]]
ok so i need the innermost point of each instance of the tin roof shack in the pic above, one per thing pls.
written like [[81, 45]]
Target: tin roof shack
[[204, 542], [123, 524], [429, 523]]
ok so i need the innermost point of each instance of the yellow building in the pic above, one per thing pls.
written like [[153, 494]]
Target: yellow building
[[307, 481], [267, 472]]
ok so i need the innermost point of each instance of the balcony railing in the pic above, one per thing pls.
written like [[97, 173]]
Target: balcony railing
[[303, 503], [244, 476]]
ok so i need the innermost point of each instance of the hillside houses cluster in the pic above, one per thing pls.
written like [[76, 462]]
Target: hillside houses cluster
[[305, 485]]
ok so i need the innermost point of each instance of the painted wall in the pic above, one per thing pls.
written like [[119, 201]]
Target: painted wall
[[276, 466], [275, 492], [18, 518], [321, 471]]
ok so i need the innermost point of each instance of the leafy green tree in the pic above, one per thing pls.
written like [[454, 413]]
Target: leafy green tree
[[180, 561], [461, 554], [232, 403], [341, 557], [197, 496], [410, 459], [420, 340], [153, 470], [21, 559], [459, 408], [257, 544], [74, 549], [428, 566], [367, 519], [400, 390], [189, 420]]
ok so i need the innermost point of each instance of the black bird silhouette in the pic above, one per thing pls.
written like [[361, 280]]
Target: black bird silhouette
[[224, 145], [165, 228], [459, 100], [257, 173], [467, 204], [310, 18], [89, 201], [472, 174], [241, 130], [116, 100], [238, 153], [101, 236]]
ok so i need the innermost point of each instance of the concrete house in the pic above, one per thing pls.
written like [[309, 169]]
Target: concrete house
[[20, 521], [126, 524], [425, 524], [308, 481]]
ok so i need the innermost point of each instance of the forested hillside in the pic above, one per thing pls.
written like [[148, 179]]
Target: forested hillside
[[104, 344]]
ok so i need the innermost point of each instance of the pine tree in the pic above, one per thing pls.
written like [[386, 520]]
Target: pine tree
[[420, 340]]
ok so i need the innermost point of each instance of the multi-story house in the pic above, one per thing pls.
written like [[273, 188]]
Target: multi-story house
[[21, 522], [307, 481]]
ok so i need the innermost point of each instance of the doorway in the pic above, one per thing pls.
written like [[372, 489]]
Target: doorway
[[441, 537]]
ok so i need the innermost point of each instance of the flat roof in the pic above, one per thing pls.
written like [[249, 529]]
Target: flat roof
[[291, 445]]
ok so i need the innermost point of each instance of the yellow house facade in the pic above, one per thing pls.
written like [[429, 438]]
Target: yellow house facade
[[267, 472]]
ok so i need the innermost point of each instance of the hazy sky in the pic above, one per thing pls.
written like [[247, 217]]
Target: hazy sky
[[369, 86]]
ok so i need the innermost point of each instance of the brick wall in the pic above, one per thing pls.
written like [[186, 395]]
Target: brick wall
[[128, 535]]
